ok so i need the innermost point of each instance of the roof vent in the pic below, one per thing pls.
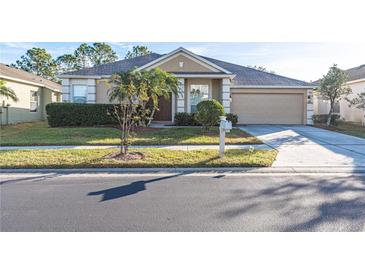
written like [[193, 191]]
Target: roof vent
[[181, 64]]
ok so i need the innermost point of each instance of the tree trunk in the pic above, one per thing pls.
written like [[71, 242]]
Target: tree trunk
[[151, 117], [329, 116]]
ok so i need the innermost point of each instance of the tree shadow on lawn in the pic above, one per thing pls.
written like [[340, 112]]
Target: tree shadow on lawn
[[126, 190]]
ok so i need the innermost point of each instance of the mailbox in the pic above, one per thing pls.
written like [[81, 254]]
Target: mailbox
[[226, 125]]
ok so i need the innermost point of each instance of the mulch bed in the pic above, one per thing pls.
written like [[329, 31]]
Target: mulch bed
[[130, 156]]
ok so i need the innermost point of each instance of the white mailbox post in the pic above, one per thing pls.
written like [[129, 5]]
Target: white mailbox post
[[224, 126]]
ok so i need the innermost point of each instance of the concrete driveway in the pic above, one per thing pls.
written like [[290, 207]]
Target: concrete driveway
[[309, 146]]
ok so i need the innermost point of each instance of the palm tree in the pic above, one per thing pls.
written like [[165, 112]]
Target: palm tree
[[7, 92]]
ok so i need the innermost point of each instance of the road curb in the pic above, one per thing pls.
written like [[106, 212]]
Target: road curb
[[243, 170]]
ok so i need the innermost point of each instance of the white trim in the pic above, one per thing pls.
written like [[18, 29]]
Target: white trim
[[231, 76], [197, 75], [173, 106], [82, 76], [310, 106], [180, 102], [355, 81], [263, 87], [28, 82], [181, 49]]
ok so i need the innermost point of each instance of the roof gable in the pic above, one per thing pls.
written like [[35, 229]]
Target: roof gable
[[199, 61]]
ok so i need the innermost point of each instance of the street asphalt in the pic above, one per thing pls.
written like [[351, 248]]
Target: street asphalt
[[182, 202]]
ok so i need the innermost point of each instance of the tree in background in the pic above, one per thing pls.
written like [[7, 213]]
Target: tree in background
[[86, 56], [102, 53], [83, 55], [261, 68], [7, 92], [333, 87], [39, 62], [137, 51], [66, 63]]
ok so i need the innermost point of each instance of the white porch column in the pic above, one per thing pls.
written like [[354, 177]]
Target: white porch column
[[180, 102], [91, 91], [65, 93], [226, 94], [309, 107]]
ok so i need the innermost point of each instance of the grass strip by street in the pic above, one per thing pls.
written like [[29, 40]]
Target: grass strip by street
[[354, 129], [97, 158], [39, 133]]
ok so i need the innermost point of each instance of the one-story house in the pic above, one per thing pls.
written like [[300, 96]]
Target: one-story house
[[33, 92], [257, 97], [356, 81]]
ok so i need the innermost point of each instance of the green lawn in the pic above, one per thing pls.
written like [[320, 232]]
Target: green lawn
[[353, 129], [153, 158], [40, 133]]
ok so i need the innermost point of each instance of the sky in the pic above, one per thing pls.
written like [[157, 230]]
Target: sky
[[303, 61]]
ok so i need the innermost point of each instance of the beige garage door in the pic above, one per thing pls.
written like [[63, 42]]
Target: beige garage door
[[268, 108]]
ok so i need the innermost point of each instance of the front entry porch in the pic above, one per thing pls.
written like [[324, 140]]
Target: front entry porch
[[193, 90]]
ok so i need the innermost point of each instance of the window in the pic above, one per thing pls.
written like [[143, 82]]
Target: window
[[198, 93], [34, 101], [79, 94]]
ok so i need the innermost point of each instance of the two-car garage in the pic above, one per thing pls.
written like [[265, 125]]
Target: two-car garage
[[269, 106]]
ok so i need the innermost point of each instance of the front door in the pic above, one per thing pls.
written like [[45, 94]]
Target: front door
[[165, 110]]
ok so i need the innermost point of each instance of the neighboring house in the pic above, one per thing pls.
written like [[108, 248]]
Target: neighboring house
[[33, 92], [356, 82], [256, 97]]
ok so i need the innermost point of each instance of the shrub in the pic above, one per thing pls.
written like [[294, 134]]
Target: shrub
[[185, 119], [208, 113], [233, 118], [322, 118], [73, 114]]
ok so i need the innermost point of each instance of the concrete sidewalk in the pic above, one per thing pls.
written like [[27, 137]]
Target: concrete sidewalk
[[173, 147], [239, 171]]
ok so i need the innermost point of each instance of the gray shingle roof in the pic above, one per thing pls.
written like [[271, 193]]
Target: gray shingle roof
[[244, 76], [352, 73], [356, 73], [8, 71], [114, 67], [252, 77]]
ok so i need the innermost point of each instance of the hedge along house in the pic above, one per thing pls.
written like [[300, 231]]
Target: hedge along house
[[256, 97], [33, 92]]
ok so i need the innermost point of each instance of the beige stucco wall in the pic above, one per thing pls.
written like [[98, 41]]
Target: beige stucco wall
[[217, 89], [348, 113], [189, 65], [102, 87], [303, 92], [20, 111], [320, 106], [351, 113]]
